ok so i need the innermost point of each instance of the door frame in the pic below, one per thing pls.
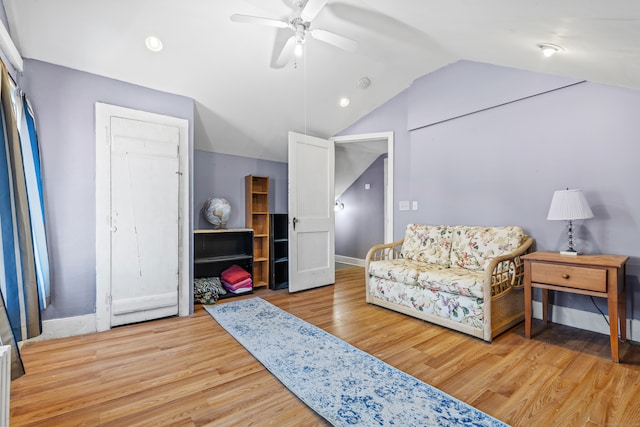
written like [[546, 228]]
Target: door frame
[[103, 114], [388, 208]]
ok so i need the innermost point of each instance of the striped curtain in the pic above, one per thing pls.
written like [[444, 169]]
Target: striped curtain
[[24, 265], [31, 162]]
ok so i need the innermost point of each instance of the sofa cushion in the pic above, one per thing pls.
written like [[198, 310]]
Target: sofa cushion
[[473, 248], [427, 243], [459, 308], [398, 270], [457, 281]]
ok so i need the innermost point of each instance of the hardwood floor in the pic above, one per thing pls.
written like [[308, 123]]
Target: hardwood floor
[[189, 372]]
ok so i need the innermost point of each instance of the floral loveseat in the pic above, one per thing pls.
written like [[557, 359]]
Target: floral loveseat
[[465, 278]]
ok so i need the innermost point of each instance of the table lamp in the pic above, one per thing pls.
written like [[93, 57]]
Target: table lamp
[[569, 205]]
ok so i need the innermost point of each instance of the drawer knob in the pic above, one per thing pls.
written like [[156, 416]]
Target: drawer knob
[[565, 276]]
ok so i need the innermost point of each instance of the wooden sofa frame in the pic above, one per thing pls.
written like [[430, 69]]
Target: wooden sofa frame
[[504, 281]]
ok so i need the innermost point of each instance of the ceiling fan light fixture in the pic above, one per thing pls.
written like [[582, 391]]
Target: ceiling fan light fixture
[[298, 50], [549, 49], [153, 43]]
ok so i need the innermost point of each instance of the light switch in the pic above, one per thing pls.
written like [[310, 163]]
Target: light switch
[[404, 205], [414, 205], [367, 186]]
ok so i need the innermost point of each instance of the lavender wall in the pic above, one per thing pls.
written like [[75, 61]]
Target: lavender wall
[[392, 116], [499, 165], [222, 175], [361, 224], [63, 100]]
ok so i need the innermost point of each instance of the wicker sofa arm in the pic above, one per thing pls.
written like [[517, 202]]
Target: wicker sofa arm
[[506, 272], [384, 251]]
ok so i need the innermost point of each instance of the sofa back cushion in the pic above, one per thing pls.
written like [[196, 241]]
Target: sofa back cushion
[[428, 243], [474, 247]]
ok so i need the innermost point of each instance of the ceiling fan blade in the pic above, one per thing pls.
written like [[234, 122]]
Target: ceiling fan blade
[[334, 39], [248, 19], [311, 9], [287, 52]]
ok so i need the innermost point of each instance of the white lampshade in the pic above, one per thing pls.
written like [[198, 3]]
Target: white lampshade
[[569, 205]]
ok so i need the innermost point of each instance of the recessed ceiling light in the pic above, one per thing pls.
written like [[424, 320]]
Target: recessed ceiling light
[[153, 43], [549, 49], [344, 102]]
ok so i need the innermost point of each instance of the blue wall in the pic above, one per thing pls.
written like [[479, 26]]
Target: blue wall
[[222, 175], [480, 144], [64, 103]]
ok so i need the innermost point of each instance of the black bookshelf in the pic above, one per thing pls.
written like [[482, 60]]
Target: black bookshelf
[[279, 251], [216, 250]]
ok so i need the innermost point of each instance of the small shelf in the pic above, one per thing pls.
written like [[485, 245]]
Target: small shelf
[[221, 259], [280, 285], [284, 259], [216, 250]]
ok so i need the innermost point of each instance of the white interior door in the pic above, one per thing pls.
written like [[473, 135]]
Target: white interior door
[[311, 212], [144, 220], [142, 216]]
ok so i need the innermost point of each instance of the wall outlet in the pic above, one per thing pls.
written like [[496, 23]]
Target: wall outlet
[[414, 205], [404, 205]]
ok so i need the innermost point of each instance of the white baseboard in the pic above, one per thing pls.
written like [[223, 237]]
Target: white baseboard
[[586, 320], [349, 260], [66, 327], [80, 325]]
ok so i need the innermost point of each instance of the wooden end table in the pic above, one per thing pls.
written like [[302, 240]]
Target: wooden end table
[[596, 275]]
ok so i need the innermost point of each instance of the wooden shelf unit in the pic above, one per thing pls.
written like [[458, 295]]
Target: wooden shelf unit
[[257, 218], [216, 250]]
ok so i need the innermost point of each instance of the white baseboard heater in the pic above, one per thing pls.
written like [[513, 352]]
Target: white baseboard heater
[[5, 383]]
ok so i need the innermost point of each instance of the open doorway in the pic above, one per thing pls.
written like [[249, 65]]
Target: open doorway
[[364, 194]]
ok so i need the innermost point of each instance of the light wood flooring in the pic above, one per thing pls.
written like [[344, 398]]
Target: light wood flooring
[[189, 372]]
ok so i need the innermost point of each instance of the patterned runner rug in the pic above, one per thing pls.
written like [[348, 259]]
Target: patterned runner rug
[[344, 385]]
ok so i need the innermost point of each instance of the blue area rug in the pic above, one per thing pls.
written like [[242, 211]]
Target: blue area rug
[[344, 385]]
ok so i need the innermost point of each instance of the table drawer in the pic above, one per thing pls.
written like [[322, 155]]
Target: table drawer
[[593, 279]]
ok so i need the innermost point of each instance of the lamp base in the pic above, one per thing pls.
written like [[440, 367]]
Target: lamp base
[[573, 253]]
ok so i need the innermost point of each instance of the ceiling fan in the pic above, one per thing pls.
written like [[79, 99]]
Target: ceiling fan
[[300, 23]]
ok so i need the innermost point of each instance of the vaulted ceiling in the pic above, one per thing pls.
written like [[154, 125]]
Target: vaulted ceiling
[[246, 103]]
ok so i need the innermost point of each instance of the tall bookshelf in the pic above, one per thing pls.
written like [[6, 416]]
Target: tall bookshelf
[[257, 218]]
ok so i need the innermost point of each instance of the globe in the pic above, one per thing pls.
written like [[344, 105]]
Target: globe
[[217, 211]]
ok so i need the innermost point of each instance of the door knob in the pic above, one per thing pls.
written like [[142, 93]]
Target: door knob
[[295, 220]]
